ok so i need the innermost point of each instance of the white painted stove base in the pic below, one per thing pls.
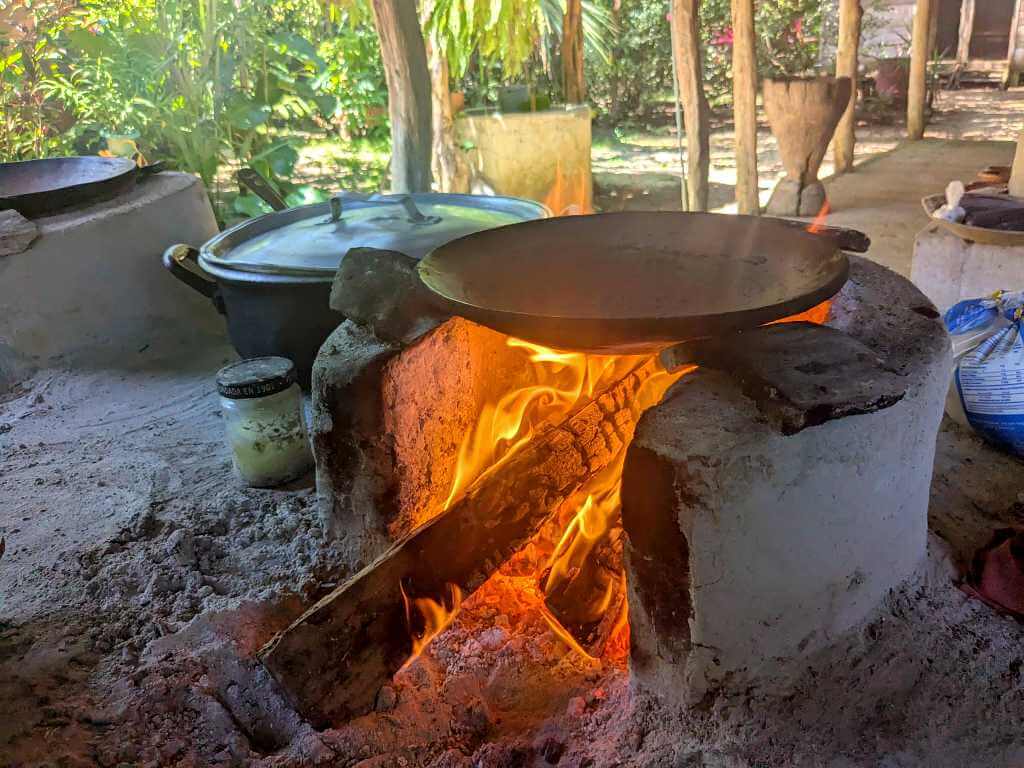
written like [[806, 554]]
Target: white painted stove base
[[94, 278], [948, 269], [785, 542]]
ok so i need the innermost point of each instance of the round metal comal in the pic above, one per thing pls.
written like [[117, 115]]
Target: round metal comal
[[633, 282]]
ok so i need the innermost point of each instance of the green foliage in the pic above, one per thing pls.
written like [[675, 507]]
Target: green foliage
[[204, 83], [640, 65], [640, 73], [788, 35], [495, 30]]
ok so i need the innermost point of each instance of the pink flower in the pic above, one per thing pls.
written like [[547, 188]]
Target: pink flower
[[723, 38]]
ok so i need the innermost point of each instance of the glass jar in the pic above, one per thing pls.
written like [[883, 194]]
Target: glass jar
[[263, 420]]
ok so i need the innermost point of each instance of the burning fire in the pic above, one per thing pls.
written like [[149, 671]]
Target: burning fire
[[569, 194], [563, 382], [426, 618]]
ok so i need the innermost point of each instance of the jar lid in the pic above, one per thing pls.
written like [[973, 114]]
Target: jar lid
[[257, 377]]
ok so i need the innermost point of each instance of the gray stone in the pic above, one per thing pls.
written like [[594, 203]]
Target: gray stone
[[785, 199], [382, 291], [802, 375], [812, 199], [16, 233], [790, 199]]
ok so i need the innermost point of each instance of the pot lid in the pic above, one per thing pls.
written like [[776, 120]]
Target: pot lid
[[310, 241]]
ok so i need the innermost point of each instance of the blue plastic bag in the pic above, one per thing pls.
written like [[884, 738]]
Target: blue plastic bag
[[989, 378]]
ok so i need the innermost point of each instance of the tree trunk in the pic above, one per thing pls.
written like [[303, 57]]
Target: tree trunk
[[918, 91], [850, 15], [449, 167], [616, 53], [572, 53], [405, 67], [685, 26], [744, 73]]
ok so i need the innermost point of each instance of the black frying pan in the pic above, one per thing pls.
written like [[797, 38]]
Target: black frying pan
[[40, 187], [633, 282]]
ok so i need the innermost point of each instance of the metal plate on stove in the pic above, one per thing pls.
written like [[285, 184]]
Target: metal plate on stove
[[633, 282]]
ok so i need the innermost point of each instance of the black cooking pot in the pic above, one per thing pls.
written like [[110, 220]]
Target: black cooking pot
[[271, 276]]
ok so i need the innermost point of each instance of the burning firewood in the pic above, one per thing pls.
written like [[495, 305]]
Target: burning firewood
[[333, 659]]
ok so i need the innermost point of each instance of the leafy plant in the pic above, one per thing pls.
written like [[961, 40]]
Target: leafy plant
[[207, 84]]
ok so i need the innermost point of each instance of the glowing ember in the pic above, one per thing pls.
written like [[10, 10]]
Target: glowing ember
[[426, 618]]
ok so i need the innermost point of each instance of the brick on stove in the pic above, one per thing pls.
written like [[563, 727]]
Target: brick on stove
[[388, 419]]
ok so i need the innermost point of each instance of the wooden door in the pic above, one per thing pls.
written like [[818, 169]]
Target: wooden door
[[991, 38]]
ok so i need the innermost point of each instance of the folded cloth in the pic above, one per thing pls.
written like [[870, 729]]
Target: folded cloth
[[997, 573]]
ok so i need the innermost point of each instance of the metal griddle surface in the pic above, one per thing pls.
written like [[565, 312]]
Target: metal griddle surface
[[633, 282]]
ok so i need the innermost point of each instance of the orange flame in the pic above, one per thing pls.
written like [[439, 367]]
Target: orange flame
[[426, 618], [563, 380], [562, 383], [595, 517], [568, 195], [818, 224]]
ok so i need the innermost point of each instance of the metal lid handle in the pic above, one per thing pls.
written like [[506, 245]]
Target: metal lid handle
[[415, 215]]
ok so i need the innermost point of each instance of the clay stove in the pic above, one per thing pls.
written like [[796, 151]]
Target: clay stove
[[769, 499]]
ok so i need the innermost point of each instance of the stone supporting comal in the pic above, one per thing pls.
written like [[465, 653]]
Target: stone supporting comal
[[777, 494]]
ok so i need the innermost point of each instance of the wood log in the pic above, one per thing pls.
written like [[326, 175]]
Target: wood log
[[405, 69], [917, 93], [590, 601], [573, 80], [744, 74], [685, 27], [963, 41], [333, 659], [851, 15]]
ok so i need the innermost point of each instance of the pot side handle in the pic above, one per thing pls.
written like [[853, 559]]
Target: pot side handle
[[175, 259]]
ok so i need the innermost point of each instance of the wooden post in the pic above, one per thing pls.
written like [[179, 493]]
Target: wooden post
[[449, 167], [685, 26], [744, 83], [572, 53], [918, 91], [850, 15], [405, 68], [1012, 78], [963, 42]]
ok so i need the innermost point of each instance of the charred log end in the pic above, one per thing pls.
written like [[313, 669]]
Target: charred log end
[[657, 561]]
